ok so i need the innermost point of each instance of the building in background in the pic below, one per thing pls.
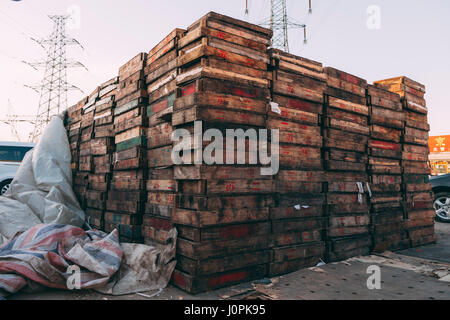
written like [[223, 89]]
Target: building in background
[[439, 154]]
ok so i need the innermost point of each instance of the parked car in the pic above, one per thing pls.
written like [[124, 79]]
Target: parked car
[[441, 188], [11, 155]]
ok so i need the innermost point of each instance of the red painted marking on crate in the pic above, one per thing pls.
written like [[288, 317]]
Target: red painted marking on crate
[[222, 54], [291, 89], [242, 92], [414, 91], [160, 224], [250, 62], [226, 278], [221, 35], [179, 280], [348, 78], [235, 232], [230, 187], [385, 145], [290, 137], [306, 236], [189, 89]]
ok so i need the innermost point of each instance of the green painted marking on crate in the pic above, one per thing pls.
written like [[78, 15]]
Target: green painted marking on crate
[[170, 100], [134, 142]]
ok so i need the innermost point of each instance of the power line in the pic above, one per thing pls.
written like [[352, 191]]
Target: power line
[[22, 33], [24, 27]]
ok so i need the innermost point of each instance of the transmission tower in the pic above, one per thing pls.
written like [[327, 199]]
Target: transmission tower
[[11, 120], [280, 23], [54, 87]]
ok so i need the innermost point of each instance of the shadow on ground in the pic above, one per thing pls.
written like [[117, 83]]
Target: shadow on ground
[[439, 251]]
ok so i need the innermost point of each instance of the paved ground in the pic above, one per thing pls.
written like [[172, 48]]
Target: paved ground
[[439, 251], [410, 274]]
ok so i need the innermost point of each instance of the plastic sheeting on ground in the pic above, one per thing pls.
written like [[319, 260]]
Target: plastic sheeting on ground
[[40, 229], [44, 253], [42, 192], [143, 268]]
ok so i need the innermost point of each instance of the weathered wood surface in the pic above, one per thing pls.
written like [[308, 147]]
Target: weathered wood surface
[[211, 218], [224, 101], [197, 284], [135, 64], [222, 264]]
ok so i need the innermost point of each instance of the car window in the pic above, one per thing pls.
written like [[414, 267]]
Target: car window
[[14, 154]]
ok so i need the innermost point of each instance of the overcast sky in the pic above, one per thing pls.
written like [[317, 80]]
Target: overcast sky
[[413, 40]]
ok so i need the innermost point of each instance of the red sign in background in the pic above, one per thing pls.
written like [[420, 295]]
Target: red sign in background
[[439, 144]]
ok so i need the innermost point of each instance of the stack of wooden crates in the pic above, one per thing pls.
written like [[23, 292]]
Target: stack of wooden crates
[[73, 122], [417, 195], [346, 131], [160, 72], [297, 216], [126, 196], [353, 170], [387, 122], [222, 210], [92, 147]]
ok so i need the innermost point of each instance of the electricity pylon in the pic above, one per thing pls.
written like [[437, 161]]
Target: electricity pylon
[[54, 87], [11, 120], [280, 23]]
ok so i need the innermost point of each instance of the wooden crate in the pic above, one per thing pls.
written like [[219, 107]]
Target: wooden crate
[[216, 265], [134, 65], [343, 248], [291, 258], [197, 284]]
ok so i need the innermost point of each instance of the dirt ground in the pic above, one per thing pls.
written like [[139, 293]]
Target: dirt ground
[[426, 268]]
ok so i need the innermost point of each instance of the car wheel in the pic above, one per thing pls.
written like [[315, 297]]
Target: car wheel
[[4, 186], [442, 206]]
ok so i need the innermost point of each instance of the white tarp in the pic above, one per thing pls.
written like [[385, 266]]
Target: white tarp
[[42, 192], [143, 268]]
